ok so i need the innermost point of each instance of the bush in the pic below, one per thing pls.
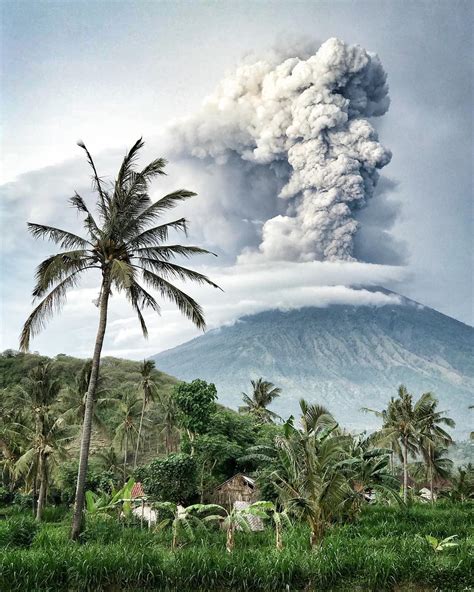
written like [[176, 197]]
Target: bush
[[18, 531], [96, 480], [102, 528], [23, 501], [171, 479], [6, 496]]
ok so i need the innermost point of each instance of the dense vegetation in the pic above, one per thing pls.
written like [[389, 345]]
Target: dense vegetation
[[385, 550], [179, 443]]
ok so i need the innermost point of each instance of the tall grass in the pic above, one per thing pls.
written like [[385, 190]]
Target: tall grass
[[385, 549]]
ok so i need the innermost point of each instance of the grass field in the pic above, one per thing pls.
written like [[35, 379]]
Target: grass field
[[385, 550]]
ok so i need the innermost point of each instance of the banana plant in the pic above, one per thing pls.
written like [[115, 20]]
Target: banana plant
[[183, 518], [265, 510], [104, 502], [228, 520], [443, 544]]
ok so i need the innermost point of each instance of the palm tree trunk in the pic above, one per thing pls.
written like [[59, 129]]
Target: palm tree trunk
[[77, 520], [405, 469], [125, 457], [139, 433], [430, 468], [43, 472]]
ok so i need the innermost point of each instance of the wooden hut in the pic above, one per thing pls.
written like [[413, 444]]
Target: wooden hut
[[238, 488]]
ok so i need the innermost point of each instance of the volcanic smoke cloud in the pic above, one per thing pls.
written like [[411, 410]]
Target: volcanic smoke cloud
[[306, 119]]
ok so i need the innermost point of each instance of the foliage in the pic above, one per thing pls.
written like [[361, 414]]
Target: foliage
[[384, 550], [17, 531], [442, 545], [195, 402], [172, 478], [263, 394]]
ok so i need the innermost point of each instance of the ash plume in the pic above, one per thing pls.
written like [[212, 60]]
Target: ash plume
[[306, 119]]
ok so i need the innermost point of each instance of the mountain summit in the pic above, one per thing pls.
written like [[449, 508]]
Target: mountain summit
[[345, 357]]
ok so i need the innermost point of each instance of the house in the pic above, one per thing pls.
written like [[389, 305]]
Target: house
[[239, 488]]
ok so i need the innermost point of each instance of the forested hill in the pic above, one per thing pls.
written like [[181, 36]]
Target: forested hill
[[118, 373]]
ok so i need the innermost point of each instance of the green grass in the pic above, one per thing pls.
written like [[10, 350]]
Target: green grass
[[384, 550]]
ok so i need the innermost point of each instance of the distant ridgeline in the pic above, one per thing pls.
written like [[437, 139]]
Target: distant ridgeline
[[345, 357], [117, 372]]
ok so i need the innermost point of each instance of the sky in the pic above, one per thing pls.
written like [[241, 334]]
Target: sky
[[109, 72]]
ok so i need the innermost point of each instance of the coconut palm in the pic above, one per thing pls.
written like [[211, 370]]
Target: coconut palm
[[403, 425], [148, 388], [367, 469], [123, 246], [126, 433], [47, 450], [263, 394], [73, 399], [307, 476], [109, 460], [168, 423], [432, 437], [42, 428]]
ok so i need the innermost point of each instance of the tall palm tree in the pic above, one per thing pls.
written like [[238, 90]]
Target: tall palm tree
[[122, 246], [73, 398], [168, 423], [432, 437], [45, 430], [403, 424], [263, 394], [306, 471], [126, 433], [148, 388], [47, 449]]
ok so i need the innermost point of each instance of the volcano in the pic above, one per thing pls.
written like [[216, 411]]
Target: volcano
[[345, 357]]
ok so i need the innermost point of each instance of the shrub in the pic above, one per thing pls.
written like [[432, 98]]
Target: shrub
[[101, 528], [23, 501], [171, 479], [6, 496], [18, 531]]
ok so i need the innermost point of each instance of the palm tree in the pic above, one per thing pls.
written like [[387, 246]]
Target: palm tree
[[122, 246], [168, 422], [367, 469], [73, 398], [110, 461], [126, 433], [306, 475], [148, 388], [263, 394], [47, 449], [39, 392], [403, 425], [432, 436]]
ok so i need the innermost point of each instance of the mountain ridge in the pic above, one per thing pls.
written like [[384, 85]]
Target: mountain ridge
[[344, 356]]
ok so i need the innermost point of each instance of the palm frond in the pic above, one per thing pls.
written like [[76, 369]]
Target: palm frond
[[187, 305], [55, 268], [53, 302], [165, 252], [157, 234], [171, 271], [97, 183], [64, 238]]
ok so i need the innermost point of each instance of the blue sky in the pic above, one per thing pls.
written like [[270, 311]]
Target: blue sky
[[109, 72]]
